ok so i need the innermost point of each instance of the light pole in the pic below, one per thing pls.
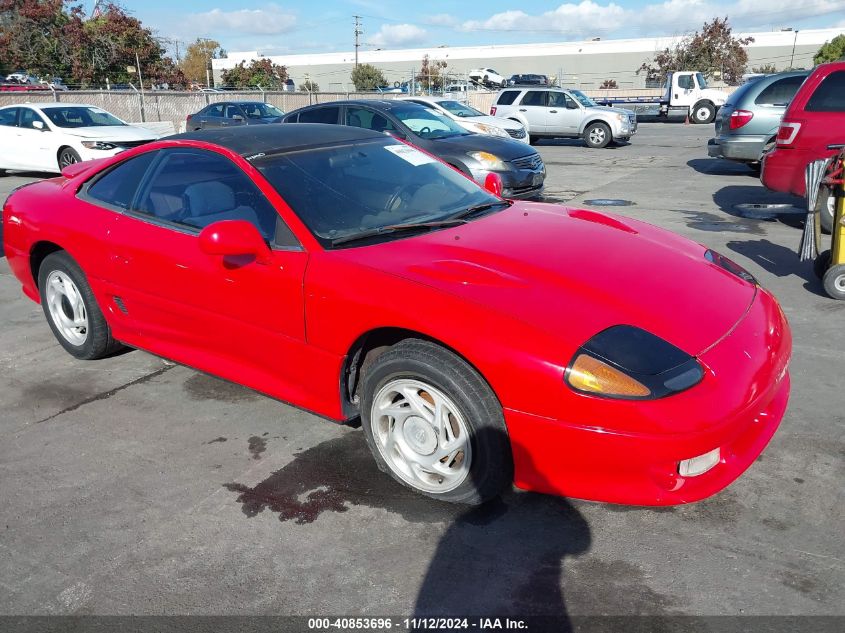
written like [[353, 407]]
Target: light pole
[[792, 57]]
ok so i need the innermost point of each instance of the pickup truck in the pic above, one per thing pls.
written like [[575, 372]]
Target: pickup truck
[[685, 93]]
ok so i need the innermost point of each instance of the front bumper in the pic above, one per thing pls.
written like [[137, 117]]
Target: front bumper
[[747, 148], [737, 408], [517, 183]]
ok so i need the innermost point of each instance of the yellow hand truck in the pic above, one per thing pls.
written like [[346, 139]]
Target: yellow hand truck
[[829, 265]]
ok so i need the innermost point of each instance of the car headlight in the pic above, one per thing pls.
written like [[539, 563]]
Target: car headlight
[[626, 362], [98, 145], [492, 130], [489, 161], [622, 118]]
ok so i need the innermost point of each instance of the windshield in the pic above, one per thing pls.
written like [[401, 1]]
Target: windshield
[[426, 122], [702, 83], [261, 110], [583, 99], [343, 190], [80, 116], [458, 109]]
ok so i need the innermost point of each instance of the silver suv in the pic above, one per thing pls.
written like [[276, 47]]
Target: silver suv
[[560, 113]]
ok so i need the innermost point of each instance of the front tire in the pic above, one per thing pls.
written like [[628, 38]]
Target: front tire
[[703, 112], [597, 135], [67, 157], [432, 423], [71, 309]]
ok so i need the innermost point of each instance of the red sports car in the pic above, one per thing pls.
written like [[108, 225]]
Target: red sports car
[[480, 341]]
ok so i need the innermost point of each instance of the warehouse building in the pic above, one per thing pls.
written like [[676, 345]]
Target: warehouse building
[[585, 64]]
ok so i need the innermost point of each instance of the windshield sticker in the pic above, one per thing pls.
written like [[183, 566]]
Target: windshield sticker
[[410, 154]]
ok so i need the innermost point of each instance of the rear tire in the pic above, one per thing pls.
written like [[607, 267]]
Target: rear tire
[[71, 309], [597, 135], [463, 457]]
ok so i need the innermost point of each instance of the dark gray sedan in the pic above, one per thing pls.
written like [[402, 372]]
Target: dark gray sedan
[[520, 167], [231, 113], [747, 124]]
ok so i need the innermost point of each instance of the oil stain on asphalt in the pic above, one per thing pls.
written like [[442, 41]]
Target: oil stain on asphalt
[[711, 222]]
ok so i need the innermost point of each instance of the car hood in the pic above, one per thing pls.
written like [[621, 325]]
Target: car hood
[[575, 272], [111, 132], [505, 124], [609, 110], [504, 148]]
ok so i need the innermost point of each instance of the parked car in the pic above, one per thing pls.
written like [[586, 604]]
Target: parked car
[[558, 113], [521, 168], [56, 83], [528, 80], [487, 77], [814, 119], [50, 136], [231, 113], [471, 119], [747, 124], [480, 341]]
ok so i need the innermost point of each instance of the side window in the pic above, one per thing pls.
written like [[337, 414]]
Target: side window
[[195, 188], [570, 103], [829, 95], [8, 117], [118, 186], [28, 117], [685, 82], [320, 115], [557, 99], [232, 111], [780, 92], [367, 119], [534, 98], [507, 97], [215, 110]]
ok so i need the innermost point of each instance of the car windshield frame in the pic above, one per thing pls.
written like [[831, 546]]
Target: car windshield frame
[[373, 189], [405, 113], [702, 82], [461, 106], [583, 99], [57, 115], [264, 108]]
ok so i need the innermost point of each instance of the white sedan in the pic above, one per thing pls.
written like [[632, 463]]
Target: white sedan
[[471, 119], [487, 77], [50, 136]]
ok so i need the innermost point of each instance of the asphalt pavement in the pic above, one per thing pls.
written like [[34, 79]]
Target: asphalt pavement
[[132, 486]]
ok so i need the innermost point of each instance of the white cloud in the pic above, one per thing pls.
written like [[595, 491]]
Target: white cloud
[[270, 21], [441, 19], [398, 35], [585, 18]]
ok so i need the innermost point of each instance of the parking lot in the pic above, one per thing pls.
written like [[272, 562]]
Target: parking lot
[[133, 486]]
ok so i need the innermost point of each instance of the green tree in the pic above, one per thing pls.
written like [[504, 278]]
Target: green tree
[[259, 73], [198, 57], [766, 69], [309, 85], [34, 36], [831, 51], [367, 77], [432, 73], [713, 51]]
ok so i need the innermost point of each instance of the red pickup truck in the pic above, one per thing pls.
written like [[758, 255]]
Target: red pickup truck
[[814, 119]]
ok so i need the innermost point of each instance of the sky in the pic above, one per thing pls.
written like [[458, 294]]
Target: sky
[[321, 26]]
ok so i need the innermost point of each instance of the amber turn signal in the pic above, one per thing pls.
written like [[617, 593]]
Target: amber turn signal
[[593, 376]]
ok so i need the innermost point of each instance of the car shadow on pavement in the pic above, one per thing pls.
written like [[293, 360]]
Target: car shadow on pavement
[[755, 202], [779, 260], [505, 558], [719, 167]]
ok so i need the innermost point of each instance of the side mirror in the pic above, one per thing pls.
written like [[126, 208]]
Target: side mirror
[[39, 125], [396, 134], [571, 105], [493, 184], [230, 238]]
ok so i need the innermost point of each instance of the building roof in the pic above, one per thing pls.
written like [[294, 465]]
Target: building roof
[[249, 140]]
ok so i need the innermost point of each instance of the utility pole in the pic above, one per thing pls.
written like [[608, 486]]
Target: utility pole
[[358, 32], [792, 57]]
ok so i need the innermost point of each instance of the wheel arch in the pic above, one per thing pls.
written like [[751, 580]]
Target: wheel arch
[[367, 348], [596, 120], [38, 253], [61, 149]]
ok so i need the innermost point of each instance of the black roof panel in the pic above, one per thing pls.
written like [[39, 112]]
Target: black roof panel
[[248, 140]]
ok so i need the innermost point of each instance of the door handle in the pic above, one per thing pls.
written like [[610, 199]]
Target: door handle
[[523, 110], [224, 123], [553, 111]]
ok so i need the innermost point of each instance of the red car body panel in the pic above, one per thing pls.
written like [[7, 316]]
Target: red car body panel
[[515, 293], [783, 168]]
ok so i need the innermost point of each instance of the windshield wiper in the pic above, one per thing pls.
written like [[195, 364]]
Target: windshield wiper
[[391, 229], [478, 208]]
